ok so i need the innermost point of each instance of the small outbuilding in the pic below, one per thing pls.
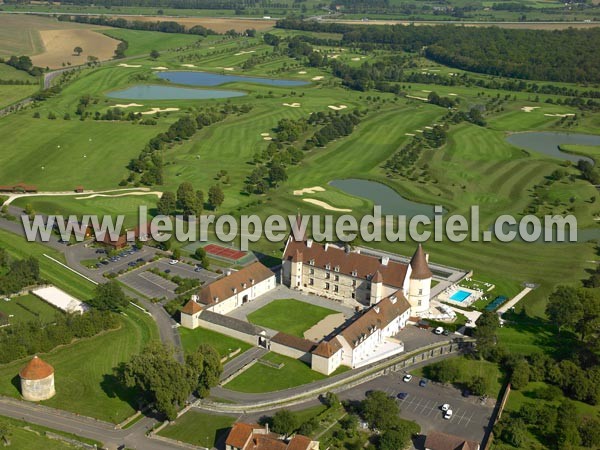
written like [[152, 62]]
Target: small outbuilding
[[37, 380]]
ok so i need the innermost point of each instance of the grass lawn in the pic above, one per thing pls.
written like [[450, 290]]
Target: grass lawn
[[27, 308], [191, 339], [198, 429], [289, 316], [63, 278], [143, 42], [261, 378], [84, 370], [10, 94]]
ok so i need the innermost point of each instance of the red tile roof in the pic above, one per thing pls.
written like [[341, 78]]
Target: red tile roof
[[348, 262], [327, 349], [36, 369], [376, 317], [294, 342], [418, 263], [239, 434], [191, 307], [254, 437], [224, 287], [299, 442], [443, 441]]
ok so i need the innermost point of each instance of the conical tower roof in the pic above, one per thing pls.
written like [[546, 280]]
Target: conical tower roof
[[377, 278], [36, 369], [419, 265]]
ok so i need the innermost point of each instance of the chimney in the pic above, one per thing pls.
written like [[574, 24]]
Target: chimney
[[427, 257], [227, 272], [195, 298], [309, 243], [267, 427], [393, 299], [385, 260], [326, 245], [376, 308]]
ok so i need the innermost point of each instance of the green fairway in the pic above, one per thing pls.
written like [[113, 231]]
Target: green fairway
[[84, 378], [289, 316], [12, 94], [200, 429], [262, 378], [27, 308], [51, 271], [191, 339], [143, 42]]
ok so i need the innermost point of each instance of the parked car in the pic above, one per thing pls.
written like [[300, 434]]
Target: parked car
[[198, 269], [448, 414], [407, 378], [402, 395], [445, 407], [173, 262], [167, 270], [438, 330], [423, 382]]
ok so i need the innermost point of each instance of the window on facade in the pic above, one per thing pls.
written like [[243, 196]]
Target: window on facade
[[419, 303], [336, 288], [311, 281], [311, 271], [327, 286], [354, 283], [354, 295], [420, 291], [337, 278], [328, 275]]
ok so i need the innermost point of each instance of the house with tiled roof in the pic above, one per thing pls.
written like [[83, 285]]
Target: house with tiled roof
[[354, 277], [443, 441], [245, 436], [228, 293]]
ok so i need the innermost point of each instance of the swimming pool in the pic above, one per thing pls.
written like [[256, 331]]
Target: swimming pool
[[460, 296]]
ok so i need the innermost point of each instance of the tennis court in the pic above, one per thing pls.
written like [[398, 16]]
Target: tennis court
[[224, 252]]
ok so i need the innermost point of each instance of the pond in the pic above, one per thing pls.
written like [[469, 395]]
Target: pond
[[214, 79], [547, 142], [391, 202], [156, 92]]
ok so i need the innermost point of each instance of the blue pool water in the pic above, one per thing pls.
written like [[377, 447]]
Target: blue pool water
[[460, 296]]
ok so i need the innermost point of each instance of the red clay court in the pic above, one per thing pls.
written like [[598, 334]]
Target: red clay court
[[224, 252]]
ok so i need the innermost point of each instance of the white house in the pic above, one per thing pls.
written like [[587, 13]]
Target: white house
[[228, 293]]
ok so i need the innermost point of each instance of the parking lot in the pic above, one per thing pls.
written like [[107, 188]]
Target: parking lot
[[155, 286], [470, 417], [415, 337]]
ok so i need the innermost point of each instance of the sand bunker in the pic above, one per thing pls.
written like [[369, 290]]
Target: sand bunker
[[317, 78], [425, 91], [429, 128], [130, 65], [409, 134], [324, 327], [128, 105], [160, 68], [355, 59], [529, 108], [157, 110], [292, 105], [188, 65], [228, 68], [325, 205], [244, 53], [309, 190], [265, 134], [452, 94], [419, 131], [268, 138], [559, 115], [334, 56], [423, 99], [302, 72], [337, 108]]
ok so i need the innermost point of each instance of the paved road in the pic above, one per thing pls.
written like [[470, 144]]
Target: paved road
[[239, 362]]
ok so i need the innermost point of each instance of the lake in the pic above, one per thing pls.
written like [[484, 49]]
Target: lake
[[157, 92], [193, 78], [391, 202], [547, 142]]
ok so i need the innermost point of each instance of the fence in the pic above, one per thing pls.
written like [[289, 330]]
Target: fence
[[496, 417]]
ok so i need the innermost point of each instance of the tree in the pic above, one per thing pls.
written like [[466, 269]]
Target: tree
[[567, 433], [514, 432], [109, 297], [167, 204], [205, 365], [519, 377], [160, 378], [5, 433], [154, 54], [78, 50], [485, 332], [395, 439], [478, 385], [331, 399], [380, 411], [187, 200], [215, 197], [564, 307], [277, 175], [200, 255], [284, 422]]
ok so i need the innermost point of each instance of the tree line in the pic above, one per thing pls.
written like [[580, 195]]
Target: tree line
[[149, 164], [23, 63], [175, 4], [15, 274], [559, 55]]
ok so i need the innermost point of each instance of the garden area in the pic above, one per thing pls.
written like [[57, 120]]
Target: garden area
[[191, 339]]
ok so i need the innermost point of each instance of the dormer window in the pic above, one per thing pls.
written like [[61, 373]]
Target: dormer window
[[354, 273], [336, 268], [312, 262], [328, 266]]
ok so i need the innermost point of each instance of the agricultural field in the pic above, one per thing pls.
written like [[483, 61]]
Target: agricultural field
[[84, 378], [289, 316]]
